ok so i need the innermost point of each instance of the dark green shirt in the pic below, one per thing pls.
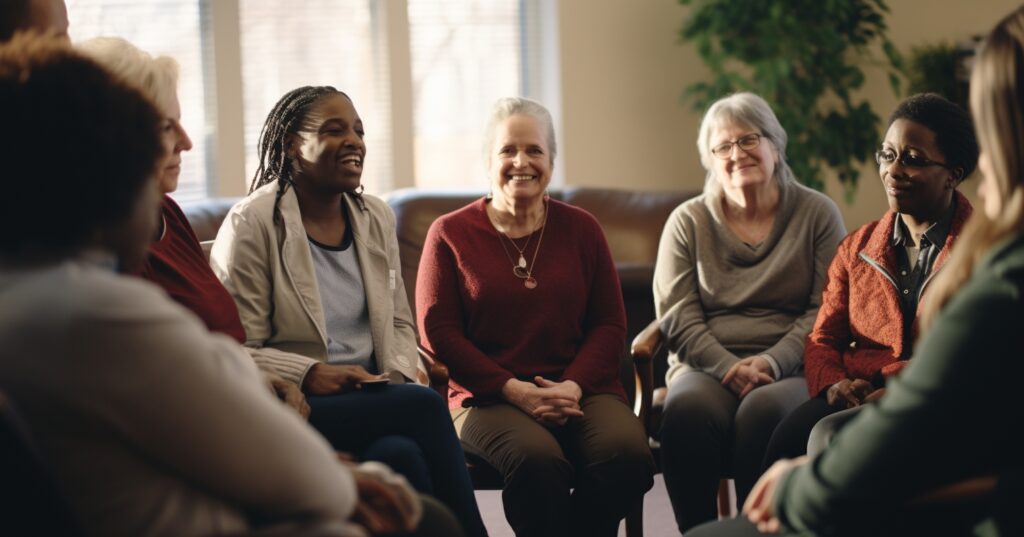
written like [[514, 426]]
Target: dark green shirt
[[950, 415], [914, 267]]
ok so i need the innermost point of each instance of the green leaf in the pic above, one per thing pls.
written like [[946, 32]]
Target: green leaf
[[804, 57]]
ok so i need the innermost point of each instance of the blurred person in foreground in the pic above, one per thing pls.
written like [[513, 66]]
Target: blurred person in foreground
[[151, 424]]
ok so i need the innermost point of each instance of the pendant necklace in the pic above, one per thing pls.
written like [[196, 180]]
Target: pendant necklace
[[520, 267]]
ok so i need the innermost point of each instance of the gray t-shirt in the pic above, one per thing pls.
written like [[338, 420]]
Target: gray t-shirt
[[343, 297]]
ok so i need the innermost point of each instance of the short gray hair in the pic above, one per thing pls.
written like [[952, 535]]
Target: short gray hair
[[749, 110], [507, 107], [156, 77]]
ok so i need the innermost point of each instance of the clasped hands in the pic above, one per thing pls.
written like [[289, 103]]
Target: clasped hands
[[747, 374], [848, 393], [549, 402]]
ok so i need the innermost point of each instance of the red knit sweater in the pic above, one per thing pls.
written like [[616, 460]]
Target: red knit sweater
[[476, 316], [859, 329], [177, 263]]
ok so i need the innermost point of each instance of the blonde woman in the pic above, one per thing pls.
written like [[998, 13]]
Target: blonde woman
[[948, 416]]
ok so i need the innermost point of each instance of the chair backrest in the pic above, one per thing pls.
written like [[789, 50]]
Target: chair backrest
[[30, 500]]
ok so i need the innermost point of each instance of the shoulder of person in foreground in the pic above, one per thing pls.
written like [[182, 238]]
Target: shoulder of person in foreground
[[191, 401]]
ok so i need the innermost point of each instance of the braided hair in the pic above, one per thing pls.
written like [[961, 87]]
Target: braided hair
[[286, 118]]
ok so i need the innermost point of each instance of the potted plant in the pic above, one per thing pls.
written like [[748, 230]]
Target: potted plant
[[941, 68], [804, 57]]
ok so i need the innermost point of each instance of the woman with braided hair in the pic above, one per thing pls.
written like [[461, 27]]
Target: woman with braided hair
[[313, 266]]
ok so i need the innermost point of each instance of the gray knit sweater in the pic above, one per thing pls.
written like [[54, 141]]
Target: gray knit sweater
[[720, 299]]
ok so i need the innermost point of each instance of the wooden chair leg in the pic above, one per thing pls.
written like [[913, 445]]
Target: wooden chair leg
[[727, 507], [635, 520]]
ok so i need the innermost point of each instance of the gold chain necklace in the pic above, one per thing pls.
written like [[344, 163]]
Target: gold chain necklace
[[520, 268]]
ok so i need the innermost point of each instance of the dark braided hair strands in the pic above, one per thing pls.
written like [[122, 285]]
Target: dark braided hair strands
[[286, 118]]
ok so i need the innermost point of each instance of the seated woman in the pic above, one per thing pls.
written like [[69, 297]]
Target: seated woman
[[737, 286], [151, 424], [176, 260], [518, 295], [945, 417], [878, 281], [312, 264]]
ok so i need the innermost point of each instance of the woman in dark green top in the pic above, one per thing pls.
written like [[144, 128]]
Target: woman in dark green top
[[949, 417]]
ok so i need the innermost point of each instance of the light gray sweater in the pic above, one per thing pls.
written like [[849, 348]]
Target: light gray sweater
[[721, 300], [151, 424]]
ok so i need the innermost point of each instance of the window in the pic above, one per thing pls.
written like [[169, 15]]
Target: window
[[465, 55], [161, 27], [424, 111], [286, 45]]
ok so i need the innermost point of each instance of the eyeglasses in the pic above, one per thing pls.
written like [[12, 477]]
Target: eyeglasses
[[886, 157], [747, 143]]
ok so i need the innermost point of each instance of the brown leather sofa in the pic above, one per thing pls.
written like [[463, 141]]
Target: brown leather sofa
[[632, 223]]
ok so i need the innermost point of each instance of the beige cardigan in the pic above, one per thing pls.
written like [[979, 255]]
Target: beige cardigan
[[268, 269]]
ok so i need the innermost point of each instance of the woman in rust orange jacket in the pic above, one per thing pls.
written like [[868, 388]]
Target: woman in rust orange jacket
[[879, 278]]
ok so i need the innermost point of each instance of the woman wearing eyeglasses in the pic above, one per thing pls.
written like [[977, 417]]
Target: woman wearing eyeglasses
[[880, 276], [737, 286]]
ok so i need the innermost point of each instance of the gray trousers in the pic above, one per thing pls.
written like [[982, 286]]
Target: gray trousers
[[708, 433], [578, 479]]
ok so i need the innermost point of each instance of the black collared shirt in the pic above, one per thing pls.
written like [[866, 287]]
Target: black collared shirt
[[912, 274]]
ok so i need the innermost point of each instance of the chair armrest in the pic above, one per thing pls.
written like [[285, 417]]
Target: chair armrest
[[975, 488], [645, 346], [436, 372]]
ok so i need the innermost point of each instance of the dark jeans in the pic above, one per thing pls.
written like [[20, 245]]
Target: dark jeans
[[407, 427], [708, 433], [790, 438], [602, 458]]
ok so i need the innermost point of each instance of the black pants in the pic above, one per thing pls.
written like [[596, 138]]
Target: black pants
[[790, 437], [708, 433], [578, 479]]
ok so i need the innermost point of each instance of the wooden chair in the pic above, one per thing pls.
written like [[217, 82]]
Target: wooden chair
[[486, 477], [648, 345]]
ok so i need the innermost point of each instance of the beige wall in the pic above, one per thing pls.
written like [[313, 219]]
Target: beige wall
[[623, 70]]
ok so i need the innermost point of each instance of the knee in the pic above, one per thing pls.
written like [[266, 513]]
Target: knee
[[421, 402], [630, 472], [531, 461], [421, 397], [683, 417], [770, 404], [395, 451]]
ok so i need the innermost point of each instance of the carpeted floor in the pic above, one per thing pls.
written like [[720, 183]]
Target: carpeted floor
[[658, 521]]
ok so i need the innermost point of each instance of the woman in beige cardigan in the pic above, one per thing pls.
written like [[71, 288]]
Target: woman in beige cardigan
[[313, 266], [151, 424]]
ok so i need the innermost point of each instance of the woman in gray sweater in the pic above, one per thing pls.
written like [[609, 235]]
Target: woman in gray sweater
[[737, 287]]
